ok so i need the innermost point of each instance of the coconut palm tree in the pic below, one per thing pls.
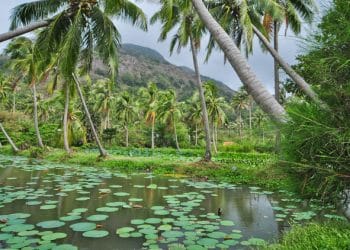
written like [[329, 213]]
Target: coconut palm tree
[[216, 106], [239, 103], [294, 12], [150, 98], [23, 61], [76, 29], [254, 87], [169, 111], [126, 112], [190, 29], [104, 99], [193, 115]]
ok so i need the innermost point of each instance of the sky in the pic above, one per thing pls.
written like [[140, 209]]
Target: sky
[[261, 63]]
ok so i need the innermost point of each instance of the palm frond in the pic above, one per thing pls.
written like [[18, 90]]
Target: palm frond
[[26, 13]]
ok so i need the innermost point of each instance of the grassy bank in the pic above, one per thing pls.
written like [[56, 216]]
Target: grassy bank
[[235, 167], [330, 236]]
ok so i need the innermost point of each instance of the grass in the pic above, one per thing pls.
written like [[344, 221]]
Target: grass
[[327, 236], [234, 167]]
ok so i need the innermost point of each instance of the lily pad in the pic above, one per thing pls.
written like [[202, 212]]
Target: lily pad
[[97, 217], [83, 226], [50, 224], [54, 236], [107, 209], [95, 234], [124, 230]]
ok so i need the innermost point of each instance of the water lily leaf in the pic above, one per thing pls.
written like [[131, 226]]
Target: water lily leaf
[[65, 247], [208, 242], [95, 234], [47, 207], [17, 228], [124, 230], [50, 224], [83, 226], [227, 223], [70, 218], [137, 222], [107, 209], [97, 217], [54, 236], [153, 220], [121, 194]]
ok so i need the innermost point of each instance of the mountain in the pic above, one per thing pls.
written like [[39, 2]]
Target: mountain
[[138, 65]]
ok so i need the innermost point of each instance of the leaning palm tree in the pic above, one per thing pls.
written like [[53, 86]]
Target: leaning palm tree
[[76, 29], [23, 61], [254, 87], [169, 110], [126, 112], [294, 12], [190, 29], [150, 98], [241, 20]]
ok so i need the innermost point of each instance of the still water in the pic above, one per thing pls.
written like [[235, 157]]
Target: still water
[[135, 211]]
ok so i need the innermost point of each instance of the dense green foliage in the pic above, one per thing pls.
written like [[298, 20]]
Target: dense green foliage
[[317, 140], [330, 236]]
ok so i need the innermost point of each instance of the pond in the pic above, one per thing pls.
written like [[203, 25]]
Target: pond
[[56, 206]]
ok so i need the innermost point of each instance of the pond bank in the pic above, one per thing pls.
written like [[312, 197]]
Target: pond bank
[[258, 169]]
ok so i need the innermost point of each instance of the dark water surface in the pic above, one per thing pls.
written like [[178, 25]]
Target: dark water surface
[[189, 209]]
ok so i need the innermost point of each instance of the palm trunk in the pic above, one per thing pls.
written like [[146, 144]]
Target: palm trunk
[[36, 123], [14, 148], [65, 120], [196, 135], [250, 117], [240, 124], [303, 85], [23, 30], [276, 65], [14, 102], [102, 151], [152, 134], [175, 134], [214, 141], [277, 81], [207, 156], [126, 136], [255, 88]]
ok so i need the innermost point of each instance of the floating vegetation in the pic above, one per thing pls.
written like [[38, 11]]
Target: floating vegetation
[[109, 206]]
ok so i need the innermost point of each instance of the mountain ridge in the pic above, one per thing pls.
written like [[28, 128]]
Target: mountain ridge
[[138, 65]]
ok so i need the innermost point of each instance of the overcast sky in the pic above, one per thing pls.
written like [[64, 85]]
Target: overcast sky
[[261, 63]]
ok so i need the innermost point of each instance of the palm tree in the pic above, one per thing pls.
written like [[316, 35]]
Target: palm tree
[[190, 30], [104, 100], [194, 115], [254, 87], [240, 102], [260, 118], [14, 147], [21, 52], [294, 12], [150, 96], [169, 110], [216, 106], [243, 19], [126, 112], [77, 29]]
